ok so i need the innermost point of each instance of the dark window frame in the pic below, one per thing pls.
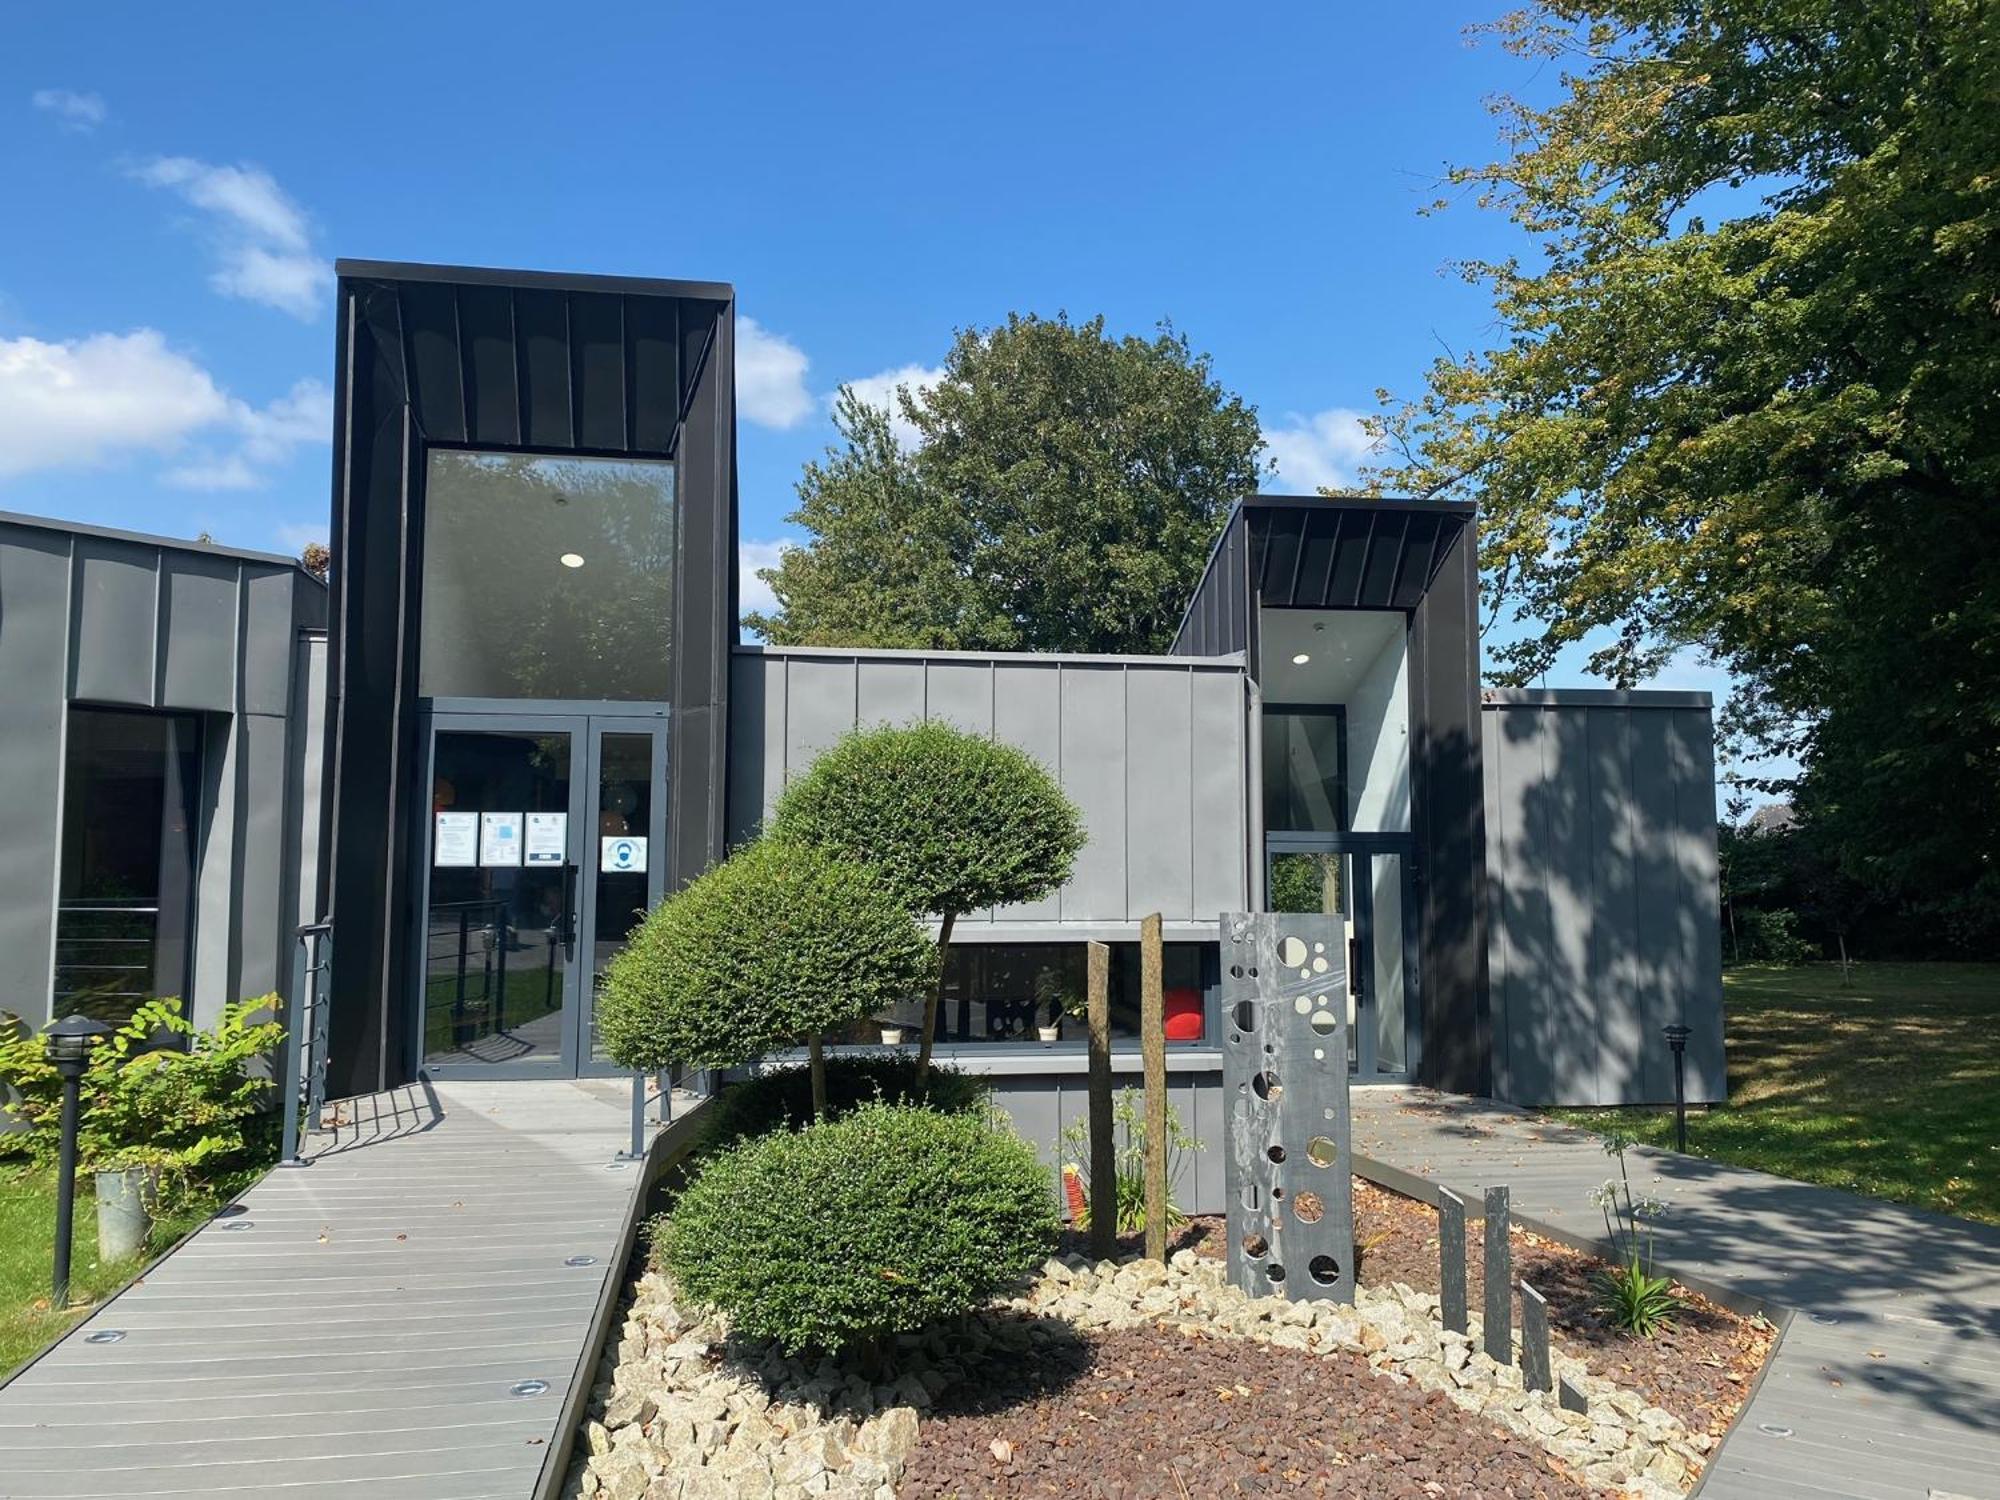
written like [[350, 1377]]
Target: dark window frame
[[1338, 713]]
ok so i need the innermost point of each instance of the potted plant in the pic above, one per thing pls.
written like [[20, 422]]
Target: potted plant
[[1061, 1003], [892, 1036], [128, 1197]]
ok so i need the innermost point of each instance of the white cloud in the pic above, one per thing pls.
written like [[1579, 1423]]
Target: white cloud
[[1321, 451], [86, 401], [770, 377], [79, 112], [262, 239], [752, 592], [295, 536], [880, 391], [266, 437]]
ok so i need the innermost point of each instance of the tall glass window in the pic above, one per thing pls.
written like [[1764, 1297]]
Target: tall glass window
[[130, 830], [1305, 769], [546, 577]]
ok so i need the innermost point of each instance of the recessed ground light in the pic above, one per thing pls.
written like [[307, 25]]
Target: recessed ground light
[[235, 1224], [528, 1388], [571, 559], [1302, 658], [580, 1260], [104, 1336]]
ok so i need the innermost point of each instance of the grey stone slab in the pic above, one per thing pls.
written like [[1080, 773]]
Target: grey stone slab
[[1451, 1260], [1499, 1279]]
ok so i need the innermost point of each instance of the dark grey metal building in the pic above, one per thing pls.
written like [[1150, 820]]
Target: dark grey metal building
[[533, 720], [159, 745], [534, 540]]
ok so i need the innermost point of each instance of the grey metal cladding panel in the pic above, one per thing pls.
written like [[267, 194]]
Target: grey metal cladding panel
[[541, 321], [1159, 792], [888, 692], [1622, 1037], [1570, 990], [1498, 948], [1657, 885], [198, 623], [1094, 775], [1217, 810], [114, 614], [1043, 1106], [486, 362], [1692, 736], [263, 881], [756, 741], [34, 663], [819, 707], [1527, 913], [429, 319], [1027, 713], [269, 600], [597, 369], [961, 694]]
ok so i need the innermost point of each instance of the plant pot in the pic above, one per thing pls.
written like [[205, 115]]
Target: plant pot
[[1049, 1033], [892, 1036], [124, 1212]]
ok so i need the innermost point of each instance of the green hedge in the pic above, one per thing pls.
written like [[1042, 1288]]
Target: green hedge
[[782, 1097], [778, 944], [882, 1222]]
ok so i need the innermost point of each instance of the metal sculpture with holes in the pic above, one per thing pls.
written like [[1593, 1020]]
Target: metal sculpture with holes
[[1284, 1062]]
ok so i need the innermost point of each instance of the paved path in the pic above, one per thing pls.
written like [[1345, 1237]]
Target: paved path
[[1886, 1382], [357, 1328]]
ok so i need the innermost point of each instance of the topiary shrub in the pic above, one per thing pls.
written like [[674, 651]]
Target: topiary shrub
[[776, 945], [954, 821], [839, 1235], [782, 1097]]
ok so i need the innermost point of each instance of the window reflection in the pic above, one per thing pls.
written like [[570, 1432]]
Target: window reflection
[[546, 577]]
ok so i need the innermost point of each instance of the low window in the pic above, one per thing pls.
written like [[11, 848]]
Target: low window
[[125, 910], [1009, 992]]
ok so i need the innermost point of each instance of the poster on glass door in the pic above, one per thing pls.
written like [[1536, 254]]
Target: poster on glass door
[[455, 845], [500, 838], [548, 838]]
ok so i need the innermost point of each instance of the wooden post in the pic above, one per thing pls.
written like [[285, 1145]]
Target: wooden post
[[1103, 1149], [1153, 1049], [816, 1066]]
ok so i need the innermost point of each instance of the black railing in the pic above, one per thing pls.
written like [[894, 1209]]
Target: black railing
[[306, 1023], [105, 958]]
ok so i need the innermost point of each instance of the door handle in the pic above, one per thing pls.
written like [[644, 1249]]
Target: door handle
[[1354, 967], [568, 920]]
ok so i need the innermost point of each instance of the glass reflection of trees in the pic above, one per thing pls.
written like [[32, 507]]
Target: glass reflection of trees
[[504, 617]]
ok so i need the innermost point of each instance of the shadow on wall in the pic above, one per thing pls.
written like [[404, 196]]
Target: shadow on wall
[[1604, 925]]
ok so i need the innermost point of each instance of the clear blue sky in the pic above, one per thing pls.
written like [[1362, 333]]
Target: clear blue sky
[[869, 177]]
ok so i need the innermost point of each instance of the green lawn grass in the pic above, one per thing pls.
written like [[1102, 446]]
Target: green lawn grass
[[27, 1247], [1886, 1083]]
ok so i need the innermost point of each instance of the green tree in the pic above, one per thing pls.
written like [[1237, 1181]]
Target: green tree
[[1747, 391], [954, 821], [779, 944], [1062, 495]]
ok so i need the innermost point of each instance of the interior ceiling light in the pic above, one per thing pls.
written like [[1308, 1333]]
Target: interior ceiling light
[[1298, 661], [572, 559]]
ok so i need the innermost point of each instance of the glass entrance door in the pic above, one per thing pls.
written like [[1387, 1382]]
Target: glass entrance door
[[1365, 879], [539, 856]]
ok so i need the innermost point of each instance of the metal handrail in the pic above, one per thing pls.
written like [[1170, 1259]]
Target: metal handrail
[[306, 1035]]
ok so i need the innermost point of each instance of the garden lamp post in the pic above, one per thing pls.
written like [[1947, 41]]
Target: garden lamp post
[[68, 1043], [1677, 1039]]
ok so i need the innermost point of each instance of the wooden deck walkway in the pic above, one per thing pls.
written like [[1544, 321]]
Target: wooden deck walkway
[[1886, 1382], [408, 1316]]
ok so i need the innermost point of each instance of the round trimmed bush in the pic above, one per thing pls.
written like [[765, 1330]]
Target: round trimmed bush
[[955, 821], [779, 943], [782, 1097], [881, 1222]]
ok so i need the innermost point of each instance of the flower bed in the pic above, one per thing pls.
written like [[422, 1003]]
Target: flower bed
[[1044, 1394]]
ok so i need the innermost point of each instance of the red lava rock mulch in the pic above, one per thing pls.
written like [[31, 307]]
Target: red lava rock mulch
[[1147, 1412]]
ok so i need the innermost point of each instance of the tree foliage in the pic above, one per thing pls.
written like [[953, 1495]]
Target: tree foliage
[[1062, 494], [953, 821], [777, 945], [885, 1221], [1747, 394]]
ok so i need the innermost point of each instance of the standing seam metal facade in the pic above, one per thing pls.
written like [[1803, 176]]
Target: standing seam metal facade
[[510, 361], [1601, 861], [114, 619]]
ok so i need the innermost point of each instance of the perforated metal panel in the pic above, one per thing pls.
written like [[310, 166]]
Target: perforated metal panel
[[1284, 1059]]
